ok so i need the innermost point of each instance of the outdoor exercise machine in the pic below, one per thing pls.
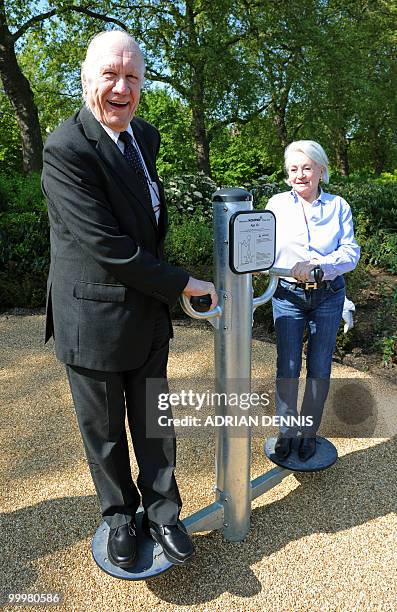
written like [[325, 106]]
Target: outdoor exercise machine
[[244, 243]]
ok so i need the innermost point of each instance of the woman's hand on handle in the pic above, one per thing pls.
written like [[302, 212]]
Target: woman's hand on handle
[[301, 270]]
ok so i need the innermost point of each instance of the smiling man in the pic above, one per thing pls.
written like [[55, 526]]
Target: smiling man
[[109, 292]]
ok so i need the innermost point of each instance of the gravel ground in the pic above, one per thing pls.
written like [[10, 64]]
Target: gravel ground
[[324, 541]]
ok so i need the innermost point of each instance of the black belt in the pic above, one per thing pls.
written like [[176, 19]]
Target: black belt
[[309, 285]]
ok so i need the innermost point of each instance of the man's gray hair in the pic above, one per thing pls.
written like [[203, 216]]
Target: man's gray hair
[[311, 149], [92, 50]]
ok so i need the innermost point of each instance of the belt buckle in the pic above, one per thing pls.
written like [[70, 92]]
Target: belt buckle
[[310, 285]]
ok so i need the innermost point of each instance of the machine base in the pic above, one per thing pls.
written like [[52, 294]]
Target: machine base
[[150, 560], [325, 456]]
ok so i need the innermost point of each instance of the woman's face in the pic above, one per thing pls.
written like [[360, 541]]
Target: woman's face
[[304, 175]]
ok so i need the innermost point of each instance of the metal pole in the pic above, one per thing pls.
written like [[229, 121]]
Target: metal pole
[[232, 322], [232, 369]]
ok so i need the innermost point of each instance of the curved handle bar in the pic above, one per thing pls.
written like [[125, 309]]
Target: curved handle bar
[[317, 275], [189, 310]]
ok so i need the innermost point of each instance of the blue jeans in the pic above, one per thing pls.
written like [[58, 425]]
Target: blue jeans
[[320, 312]]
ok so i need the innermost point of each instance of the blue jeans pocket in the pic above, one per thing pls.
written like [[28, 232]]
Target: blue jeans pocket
[[337, 285]]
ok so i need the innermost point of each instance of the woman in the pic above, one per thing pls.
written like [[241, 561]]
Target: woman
[[314, 229]]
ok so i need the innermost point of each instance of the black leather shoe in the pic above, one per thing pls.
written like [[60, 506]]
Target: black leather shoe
[[173, 539], [283, 445], [307, 448], [122, 545]]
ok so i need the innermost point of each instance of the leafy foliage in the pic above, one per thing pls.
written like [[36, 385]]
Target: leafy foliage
[[24, 232], [374, 209], [10, 145], [244, 78], [24, 242], [188, 195], [173, 119]]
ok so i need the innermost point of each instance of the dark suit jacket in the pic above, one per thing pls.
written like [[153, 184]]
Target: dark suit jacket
[[107, 274]]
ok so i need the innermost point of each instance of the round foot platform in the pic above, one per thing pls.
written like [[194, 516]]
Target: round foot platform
[[150, 557], [325, 456]]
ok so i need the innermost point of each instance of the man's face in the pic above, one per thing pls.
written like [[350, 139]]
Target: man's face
[[112, 81]]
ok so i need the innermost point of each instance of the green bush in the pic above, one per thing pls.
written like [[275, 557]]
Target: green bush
[[372, 204], [24, 235], [24, 241], [374, 208], [388, 348], [190, 242], [357, 280], [20, 193], [385, 325], [386, 177], [380, 250], [188, 195], [22, 290]]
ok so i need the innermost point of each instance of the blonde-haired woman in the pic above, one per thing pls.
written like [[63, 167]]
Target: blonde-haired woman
[[314, 228]]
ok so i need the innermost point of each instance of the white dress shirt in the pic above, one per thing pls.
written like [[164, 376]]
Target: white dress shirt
[[152, 185], [319, 232]]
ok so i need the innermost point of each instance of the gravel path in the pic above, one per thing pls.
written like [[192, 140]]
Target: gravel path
[[324, 541]]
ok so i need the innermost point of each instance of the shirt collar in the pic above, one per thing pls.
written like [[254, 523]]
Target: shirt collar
[[112, 133], [116, 135], [316, 202]]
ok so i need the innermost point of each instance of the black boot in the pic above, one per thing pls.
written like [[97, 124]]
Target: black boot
[[307, 448], [283, 445]]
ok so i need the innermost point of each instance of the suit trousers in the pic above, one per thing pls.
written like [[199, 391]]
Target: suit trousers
[[102, 400]]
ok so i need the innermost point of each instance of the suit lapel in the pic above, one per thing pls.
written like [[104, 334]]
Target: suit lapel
[[111, 154]]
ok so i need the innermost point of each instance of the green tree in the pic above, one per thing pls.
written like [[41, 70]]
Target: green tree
[[194, 46], [241, 154], [323, 69], [348, 94], [10, 150], [197, 48], [173, 118], [15, 21]]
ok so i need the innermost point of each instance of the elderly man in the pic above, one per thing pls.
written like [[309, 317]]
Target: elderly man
[[109, 292]]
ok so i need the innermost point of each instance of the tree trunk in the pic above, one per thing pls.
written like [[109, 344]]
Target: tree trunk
[[279, 122], [379, 163], [202, 146], [379, 152], [18, 90], [196, 101], [341, 152], [279, 110]]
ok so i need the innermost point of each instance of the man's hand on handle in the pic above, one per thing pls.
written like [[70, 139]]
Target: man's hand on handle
[[199, 287]]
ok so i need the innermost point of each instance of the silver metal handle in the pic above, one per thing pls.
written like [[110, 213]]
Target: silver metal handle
[[278, 272], [274, 273], [189, 310]]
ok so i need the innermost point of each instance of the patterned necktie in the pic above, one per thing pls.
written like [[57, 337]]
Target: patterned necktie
[[134, 159]]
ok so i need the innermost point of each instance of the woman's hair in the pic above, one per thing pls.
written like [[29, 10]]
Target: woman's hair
[[311, 149]]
